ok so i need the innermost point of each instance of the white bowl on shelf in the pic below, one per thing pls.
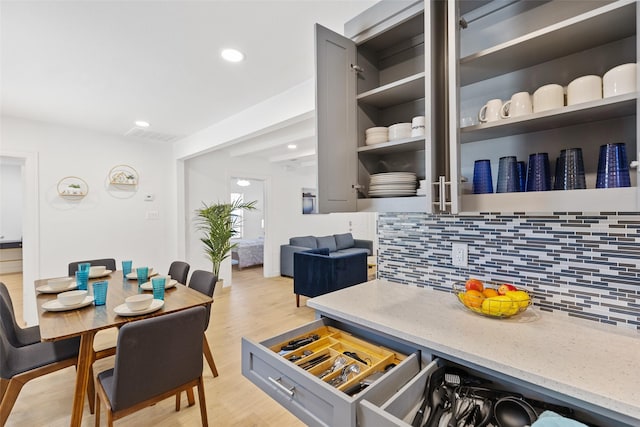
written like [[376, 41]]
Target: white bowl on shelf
[[375, 140], [376, 130], [399, 131]]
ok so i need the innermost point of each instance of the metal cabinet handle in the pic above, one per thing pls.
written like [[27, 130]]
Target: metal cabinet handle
[[634, 164], [276, 382], [443, 194], [357, 68]]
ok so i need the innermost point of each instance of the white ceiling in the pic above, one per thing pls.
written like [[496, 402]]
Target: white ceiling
[[102, 65]]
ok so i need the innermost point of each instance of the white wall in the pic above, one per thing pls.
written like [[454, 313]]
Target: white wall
[[207, 179], [10, 201], [107, 222]]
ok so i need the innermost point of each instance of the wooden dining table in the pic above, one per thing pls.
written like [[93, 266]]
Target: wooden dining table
[[85, 322]]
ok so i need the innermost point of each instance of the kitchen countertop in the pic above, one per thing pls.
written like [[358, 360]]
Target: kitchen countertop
[[581, 359]]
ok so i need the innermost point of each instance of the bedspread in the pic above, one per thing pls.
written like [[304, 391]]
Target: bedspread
[[248, 252]]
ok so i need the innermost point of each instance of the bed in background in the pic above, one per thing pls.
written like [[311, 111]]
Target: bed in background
[[249, 252]]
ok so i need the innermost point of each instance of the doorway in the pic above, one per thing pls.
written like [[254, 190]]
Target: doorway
[[248, 256], [19, 228]]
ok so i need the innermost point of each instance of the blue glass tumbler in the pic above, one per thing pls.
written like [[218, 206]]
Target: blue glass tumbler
[[570, 170], [508, 181], [158, 285], [482, 180], [522, 175], [82, 279], [100, 292], [538, 175], [143, 275], [126, 268], [613, 168]]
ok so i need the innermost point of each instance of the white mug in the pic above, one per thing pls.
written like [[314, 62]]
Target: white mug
[[584, 89], [490, 112], [548, 97], [518, 105], [620, 80], [417, 126]]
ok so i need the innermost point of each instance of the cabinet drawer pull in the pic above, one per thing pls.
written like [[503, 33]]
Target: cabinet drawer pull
[[277, 383]]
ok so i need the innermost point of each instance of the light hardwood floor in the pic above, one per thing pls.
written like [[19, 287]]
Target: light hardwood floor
[[254, 307]]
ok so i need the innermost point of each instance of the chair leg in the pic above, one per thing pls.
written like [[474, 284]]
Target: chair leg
[[91, 391], [207, 354], [9, 399], [97, 406], [203, 405], [190, 397], [3, 387], [297, 300]]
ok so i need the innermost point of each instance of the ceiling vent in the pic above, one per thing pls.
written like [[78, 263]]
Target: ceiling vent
[[138, 132]]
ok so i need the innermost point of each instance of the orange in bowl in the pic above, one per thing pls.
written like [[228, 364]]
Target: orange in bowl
[[490, 292], [473, 298]]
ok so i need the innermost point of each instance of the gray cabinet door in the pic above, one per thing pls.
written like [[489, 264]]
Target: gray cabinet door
[[336, 122]]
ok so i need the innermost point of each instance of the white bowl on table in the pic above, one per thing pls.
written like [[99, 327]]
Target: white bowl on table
[[71, 297], [139, 302], [60, 283], [97, 270]]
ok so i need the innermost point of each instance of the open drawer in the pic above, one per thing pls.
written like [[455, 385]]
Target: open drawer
[[401, 408], [307, 386]]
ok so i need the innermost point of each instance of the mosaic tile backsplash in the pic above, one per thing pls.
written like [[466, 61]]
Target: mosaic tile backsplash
[[584, 265]]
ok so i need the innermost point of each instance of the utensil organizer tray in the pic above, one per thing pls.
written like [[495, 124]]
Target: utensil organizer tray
[[314, 400], [336, 343]]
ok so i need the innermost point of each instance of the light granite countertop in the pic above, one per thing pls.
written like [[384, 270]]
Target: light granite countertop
[[580, 359]]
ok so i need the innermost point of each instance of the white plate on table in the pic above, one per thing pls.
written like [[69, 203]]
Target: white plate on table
[[46, 289], [56, 306], [123, 310], [96, 275], [148, 286], [133, 275]]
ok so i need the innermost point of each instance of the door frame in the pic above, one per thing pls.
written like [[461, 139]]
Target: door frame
[[30, 230]]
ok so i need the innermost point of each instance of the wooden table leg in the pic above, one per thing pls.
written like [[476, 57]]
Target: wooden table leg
[[85, 357]]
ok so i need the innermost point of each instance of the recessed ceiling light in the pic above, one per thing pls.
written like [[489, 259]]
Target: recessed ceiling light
[[142, 124], [292, 146], [243, 183], [232, 55]]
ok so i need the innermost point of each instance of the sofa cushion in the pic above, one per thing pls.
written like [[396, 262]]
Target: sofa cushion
[[304, 241], [318, 251], [327, 242], [344, 241], [348, 251]]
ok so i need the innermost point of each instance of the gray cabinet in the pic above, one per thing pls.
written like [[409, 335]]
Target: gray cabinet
[[383, 72], [500, 48]]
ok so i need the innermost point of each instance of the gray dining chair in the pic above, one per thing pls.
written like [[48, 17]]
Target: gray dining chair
[[156, 358], [20, 362], [205, 283], [18, 336], [179, 270], [109, 263]]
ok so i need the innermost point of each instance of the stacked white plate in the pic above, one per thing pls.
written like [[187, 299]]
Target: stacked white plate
[[376, 135], [399, 131], [392, 184]]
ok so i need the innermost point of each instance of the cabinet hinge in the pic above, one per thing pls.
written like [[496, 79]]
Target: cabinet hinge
[[357, 68]]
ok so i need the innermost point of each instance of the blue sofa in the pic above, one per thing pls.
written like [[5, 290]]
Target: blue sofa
[[338, 244], [318, 273]]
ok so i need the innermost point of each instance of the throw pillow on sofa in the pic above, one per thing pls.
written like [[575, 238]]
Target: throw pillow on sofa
[[304, 241], [344, 241], [327, 242]]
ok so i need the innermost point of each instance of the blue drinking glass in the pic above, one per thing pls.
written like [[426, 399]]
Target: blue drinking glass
[[143, 275], [158, 285], [613, 168], [126, 268], [570, 170], [538, 174], [82, 279], [508, 180], [100, 292], [482, 180], [522, 175]]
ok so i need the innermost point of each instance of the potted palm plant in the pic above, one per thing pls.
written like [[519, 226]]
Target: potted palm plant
[[218, 223]]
